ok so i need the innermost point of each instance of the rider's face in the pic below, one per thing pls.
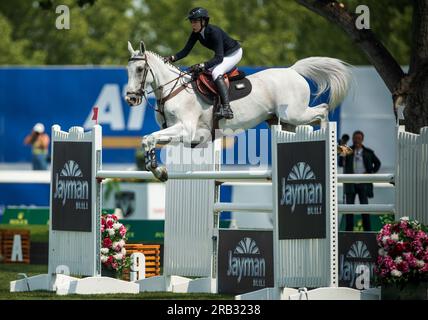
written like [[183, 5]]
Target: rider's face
[[196, 25]]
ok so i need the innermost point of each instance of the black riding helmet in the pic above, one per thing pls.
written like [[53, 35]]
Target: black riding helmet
[[198, 13]]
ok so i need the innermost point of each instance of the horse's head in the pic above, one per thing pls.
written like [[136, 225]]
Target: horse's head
[[139, 75]]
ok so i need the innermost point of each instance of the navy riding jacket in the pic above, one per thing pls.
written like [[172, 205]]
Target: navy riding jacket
[[215, 39]]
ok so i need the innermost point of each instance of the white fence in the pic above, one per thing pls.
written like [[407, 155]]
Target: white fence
[[411, 171], [193, 208]]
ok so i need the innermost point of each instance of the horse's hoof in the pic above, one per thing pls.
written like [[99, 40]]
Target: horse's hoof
[[161, 173], [153, 164]]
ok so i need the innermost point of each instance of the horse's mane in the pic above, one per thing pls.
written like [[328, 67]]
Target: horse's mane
[[159, 57]]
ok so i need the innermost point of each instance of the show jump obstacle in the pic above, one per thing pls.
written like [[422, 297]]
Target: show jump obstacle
[[304, 207]]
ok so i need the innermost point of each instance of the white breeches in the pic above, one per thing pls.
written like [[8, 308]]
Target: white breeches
[[227, 64]]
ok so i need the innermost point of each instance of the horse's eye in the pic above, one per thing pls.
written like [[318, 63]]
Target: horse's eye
[[139, 69]]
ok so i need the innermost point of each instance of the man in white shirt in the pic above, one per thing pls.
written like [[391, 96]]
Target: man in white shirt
[[362, 160]]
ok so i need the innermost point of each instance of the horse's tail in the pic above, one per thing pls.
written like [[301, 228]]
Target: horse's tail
[[327, 73]]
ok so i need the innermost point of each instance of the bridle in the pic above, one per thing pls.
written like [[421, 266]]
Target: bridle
[[141, 91]]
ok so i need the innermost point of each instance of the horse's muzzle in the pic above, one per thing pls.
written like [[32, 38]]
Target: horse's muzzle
[[133, 99]]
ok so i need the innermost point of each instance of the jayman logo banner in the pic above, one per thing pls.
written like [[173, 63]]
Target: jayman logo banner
[[301, 190], [358, 252], [245, 260], [71, 186]]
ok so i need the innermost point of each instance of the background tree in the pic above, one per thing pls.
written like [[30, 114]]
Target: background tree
[[273, 33], [407, 89]]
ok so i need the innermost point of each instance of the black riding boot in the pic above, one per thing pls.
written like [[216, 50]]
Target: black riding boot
[[224, 110]]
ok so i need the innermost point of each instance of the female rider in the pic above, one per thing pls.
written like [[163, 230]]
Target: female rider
[[228, 53]]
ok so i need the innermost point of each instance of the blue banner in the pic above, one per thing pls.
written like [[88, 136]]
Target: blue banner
[[65, 95]]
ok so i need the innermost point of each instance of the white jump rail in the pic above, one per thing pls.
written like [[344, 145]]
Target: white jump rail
[[43, 176], [256, 175], [25, 176]]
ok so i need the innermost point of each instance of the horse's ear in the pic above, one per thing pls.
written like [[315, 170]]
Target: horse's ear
[[142, 47], [130, 49]]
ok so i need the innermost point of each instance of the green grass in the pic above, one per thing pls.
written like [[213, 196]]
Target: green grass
[[9, 272], [38, 232]]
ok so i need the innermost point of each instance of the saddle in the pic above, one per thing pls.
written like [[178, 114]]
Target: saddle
[[238, 85]]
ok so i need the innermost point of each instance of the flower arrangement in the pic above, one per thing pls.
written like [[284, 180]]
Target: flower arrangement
[[403, 252], [113, 237]]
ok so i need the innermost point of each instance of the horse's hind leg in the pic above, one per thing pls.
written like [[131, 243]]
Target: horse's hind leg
[[308, 115], [323, 110]]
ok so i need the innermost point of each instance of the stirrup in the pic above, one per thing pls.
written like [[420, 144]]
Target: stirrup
[[223, 112]]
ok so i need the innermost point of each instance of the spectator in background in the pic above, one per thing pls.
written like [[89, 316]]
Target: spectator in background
[[361, 160], [39, 141]]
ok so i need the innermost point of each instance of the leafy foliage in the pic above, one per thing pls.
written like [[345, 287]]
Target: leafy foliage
[[273, 32]]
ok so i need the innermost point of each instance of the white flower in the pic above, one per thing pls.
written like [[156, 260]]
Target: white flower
[[420, 263], [123, 251], [115, 244], [117, 225], [111, 232], [398, 260], [405, 218], [118, 256], [394, 236], [396, 273], [122, 243], [104, 250], [385, 238], [381, 252], [104, 258]]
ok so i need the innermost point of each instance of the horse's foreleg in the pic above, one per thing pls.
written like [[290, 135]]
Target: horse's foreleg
[[149, 143]]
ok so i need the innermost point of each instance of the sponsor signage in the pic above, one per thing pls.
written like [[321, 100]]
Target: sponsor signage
[[25, 216], [358, 252], [245, 260], [301, 190], [71, 186], [147, 231]]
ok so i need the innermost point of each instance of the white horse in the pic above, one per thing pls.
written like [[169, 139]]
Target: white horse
[[277, 93]]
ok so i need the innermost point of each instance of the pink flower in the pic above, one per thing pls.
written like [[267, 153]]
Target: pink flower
[[403, 250], [400, 247], [115, 265], [122, 231], [403, 267], [107, 243], [409, 233], [113, 217], [109, 224], [420, 235], [404, 224]]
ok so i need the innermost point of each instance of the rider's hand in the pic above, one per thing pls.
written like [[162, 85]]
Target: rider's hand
[[169, 59], [197, 68]]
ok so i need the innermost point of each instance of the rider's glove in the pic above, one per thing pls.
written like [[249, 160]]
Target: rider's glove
[[197, 68], [169, 59]]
